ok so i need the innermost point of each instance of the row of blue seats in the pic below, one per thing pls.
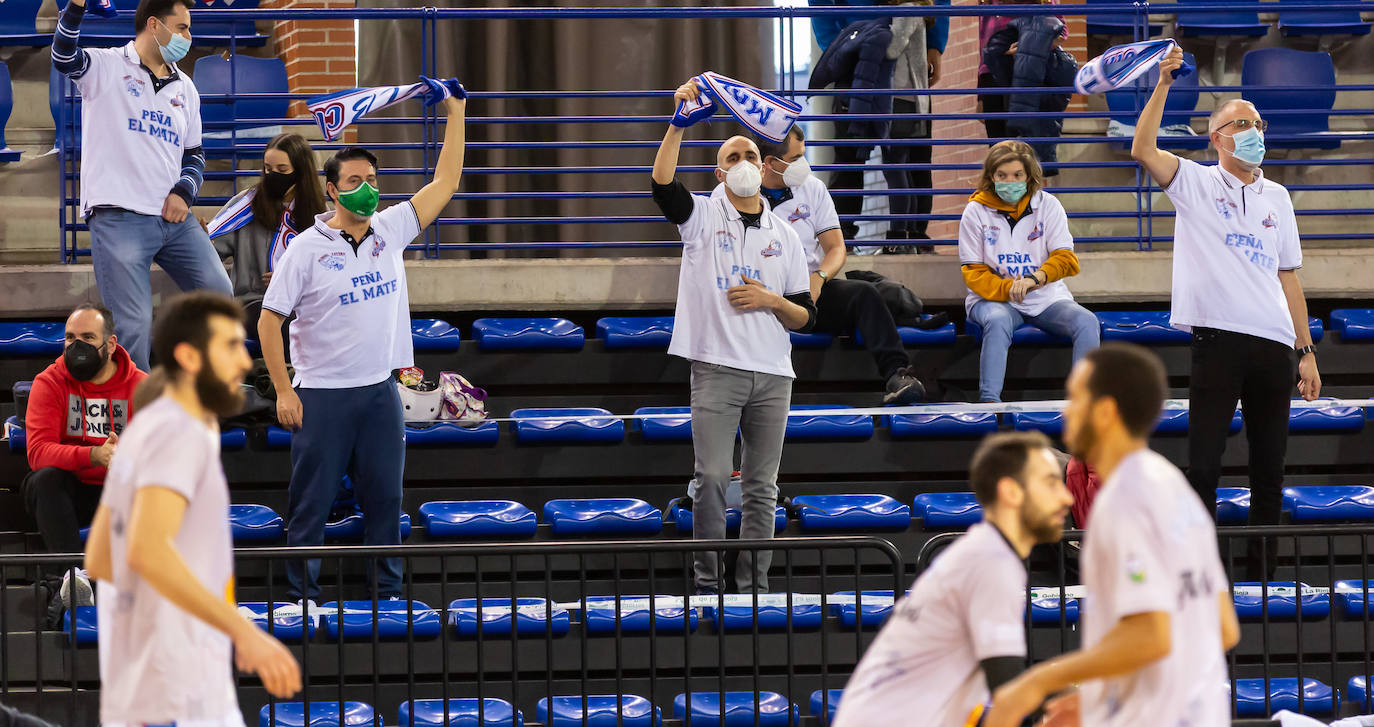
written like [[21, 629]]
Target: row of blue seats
[[627, 332], [578, 425], [18, 26], [1275, 601], [458, 519], [1234, 22], [727, 709]]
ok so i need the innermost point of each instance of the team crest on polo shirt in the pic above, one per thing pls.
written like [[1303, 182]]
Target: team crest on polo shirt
[[378, 245], [133, 86], [725, 241], [1270, 221], [179, 100], [990, 235], [1224, 207], [332, 261], [1037, 233], [802, 212], [773, 249]]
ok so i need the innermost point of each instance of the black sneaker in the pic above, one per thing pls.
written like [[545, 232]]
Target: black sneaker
[[903, 388]]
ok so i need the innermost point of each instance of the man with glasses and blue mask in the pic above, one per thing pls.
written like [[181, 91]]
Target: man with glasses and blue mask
[[1235, 287], [345, 280], [141, 162]]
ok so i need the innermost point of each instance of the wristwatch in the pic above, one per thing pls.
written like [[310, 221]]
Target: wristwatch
[[1304, 350], [824, 278]]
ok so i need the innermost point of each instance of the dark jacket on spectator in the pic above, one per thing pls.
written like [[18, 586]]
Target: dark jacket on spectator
[[1036, 63], [858, 59]]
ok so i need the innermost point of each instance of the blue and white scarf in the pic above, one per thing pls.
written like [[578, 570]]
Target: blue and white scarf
[[763, 113], [239, 212], [102, 8], [334, 112], [1123, 64]]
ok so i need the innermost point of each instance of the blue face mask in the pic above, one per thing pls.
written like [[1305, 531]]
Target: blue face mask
[[1249, 146], [176, 48], [1010, 192]]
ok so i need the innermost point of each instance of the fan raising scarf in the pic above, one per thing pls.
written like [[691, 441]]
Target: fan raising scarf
[[1122, 64], [336, 111], [761, 112]]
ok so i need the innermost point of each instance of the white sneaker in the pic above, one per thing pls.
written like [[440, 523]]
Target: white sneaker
[[79, 593]]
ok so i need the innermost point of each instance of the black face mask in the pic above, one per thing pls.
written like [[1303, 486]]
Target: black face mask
[[83, 360], [276, 184]]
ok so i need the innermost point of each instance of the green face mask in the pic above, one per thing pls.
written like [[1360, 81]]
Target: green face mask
[[361, 200]]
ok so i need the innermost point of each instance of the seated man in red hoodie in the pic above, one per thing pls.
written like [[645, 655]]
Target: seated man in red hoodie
[[77, 408]]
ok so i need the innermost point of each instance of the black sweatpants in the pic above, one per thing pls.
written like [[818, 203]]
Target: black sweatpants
[[993, 104], [908, 204], [1227, 367], [849, 179], [849, 305], [62, 505]]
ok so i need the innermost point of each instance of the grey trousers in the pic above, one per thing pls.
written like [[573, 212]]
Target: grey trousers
[[726, 400]]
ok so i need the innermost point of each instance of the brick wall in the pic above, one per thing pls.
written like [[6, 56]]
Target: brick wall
[[318, 53]]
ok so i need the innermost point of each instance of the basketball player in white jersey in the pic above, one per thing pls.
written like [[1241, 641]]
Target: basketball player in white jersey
[[1158, 616], [161, 544], [960, 632]]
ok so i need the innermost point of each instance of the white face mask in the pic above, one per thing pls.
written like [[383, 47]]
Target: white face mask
[[743, 179], [796, 173]]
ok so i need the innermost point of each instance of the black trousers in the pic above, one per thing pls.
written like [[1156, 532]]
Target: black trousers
[[993, 104], [849, 305], [908, 204], [1260, 373], [62, 505], [849, 179]]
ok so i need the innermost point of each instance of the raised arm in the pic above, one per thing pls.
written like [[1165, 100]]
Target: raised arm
[[430, 201], [1161, 165], [665, 163], [67, 57]]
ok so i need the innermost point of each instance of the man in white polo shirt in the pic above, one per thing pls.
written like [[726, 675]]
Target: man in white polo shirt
[[141, 163], [345, 280], [842, 306], [1157, 612], [1236, 257], [742, 286], [961, 630]]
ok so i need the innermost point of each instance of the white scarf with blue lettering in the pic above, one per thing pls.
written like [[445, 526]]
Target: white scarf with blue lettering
[[239, 212], [334, 112], [763, 113], [1122, 64]]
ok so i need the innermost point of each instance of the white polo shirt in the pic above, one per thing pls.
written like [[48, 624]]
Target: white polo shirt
[[925, 664], [352, 308], [717, 250], [1230, 241], [810, 211], [1152, 547], [986, 237], [132, 138]]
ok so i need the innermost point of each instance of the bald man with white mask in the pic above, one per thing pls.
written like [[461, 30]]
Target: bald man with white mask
[[742, 286], [1236, 289]]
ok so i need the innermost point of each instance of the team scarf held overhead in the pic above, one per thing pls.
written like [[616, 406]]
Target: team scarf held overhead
[[336, 111], [235, 216], [761, 112], [1123, 64]]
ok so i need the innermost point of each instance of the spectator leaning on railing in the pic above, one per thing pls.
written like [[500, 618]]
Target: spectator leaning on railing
[[1015, 250], [78, 407], [141, 163], [1236, 257]]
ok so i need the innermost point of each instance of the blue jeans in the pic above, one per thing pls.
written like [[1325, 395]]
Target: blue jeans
[[357, 432], [124, 246], [999, 320]]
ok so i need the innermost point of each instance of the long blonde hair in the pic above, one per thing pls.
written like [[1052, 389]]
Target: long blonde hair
[[1012, 150]]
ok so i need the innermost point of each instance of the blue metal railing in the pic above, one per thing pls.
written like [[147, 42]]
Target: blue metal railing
[[1142, 189]]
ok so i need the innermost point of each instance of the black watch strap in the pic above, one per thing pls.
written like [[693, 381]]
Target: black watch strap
[[1304, 350]]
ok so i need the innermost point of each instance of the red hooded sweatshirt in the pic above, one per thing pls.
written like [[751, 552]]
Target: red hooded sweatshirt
[[66, 418]]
